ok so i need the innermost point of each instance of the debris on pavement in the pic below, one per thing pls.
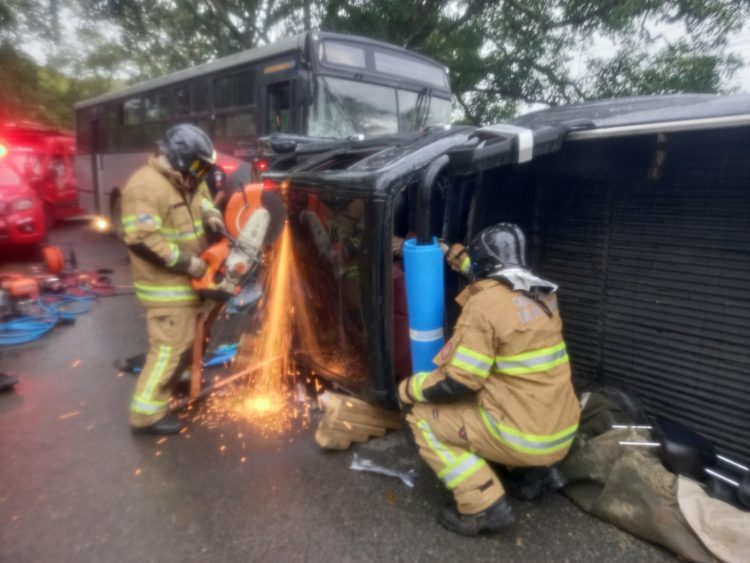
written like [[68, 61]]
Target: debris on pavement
[[362, 464]]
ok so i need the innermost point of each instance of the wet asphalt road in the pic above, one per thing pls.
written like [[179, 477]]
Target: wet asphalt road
[[76, 486]]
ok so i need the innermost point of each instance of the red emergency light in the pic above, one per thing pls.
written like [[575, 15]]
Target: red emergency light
[[261, 165]]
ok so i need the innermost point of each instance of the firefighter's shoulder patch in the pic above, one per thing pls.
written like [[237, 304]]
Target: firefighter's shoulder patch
[[445, 352]]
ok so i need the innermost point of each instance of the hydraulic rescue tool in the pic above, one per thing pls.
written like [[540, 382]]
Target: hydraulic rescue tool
[[254, 219]]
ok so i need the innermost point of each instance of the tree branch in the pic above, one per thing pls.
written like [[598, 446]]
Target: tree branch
[[472, 10], [472, 117], [221, 10]]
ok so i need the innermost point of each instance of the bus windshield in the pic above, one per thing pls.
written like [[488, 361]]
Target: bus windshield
[[342, 108]]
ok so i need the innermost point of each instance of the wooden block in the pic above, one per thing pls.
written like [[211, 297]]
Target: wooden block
[[328, 438], [350, 420], [358, 429], [356, 410]]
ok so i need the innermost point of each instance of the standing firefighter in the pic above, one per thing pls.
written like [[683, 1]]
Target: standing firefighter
[[165, 207], [502, 390]]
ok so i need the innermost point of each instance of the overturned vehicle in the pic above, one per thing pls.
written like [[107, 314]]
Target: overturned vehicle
[[638, 208]]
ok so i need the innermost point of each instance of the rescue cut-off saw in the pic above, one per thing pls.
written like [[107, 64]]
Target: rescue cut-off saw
[[254, 219]]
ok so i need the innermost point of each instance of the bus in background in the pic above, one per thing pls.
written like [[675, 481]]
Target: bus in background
[[44, 157], [316, 84]]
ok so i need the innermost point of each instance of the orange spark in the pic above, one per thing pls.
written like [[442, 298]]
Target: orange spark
[[76, 363], [137, 472], [68, 415]]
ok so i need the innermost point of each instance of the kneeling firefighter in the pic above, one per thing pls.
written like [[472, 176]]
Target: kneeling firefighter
[[502, 390], [165, 207]]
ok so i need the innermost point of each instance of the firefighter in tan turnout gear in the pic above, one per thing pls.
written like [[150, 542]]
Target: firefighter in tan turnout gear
[[165, 213], [502, 391]]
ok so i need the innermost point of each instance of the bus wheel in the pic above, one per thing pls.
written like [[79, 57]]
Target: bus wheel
[[115, 213]]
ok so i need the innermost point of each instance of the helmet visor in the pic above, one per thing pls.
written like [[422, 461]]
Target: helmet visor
[[199, 168]]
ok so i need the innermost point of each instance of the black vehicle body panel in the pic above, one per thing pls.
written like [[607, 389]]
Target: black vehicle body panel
[[638, 208]]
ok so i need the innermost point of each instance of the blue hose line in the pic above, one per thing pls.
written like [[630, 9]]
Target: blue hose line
[[23, 330], [425, 290]]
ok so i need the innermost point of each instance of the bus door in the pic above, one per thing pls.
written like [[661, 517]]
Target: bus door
[[279, 101]]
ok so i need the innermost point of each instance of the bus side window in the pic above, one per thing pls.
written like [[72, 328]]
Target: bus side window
[[280, 107], [182, 100]]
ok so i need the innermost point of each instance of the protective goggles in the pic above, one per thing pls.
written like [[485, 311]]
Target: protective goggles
[[199, 168]]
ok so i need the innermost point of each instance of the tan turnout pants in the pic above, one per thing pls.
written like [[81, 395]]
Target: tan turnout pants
[[458, 455], [171, 331]]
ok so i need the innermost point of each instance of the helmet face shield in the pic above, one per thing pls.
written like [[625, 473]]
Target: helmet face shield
[[199, 169]]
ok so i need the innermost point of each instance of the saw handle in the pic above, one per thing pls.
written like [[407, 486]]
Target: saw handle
[[214, 257]]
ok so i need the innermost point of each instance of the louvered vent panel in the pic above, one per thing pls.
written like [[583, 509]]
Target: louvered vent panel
[[655, 282]]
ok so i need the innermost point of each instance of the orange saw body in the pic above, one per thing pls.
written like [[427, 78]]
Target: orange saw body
[[254, 219]]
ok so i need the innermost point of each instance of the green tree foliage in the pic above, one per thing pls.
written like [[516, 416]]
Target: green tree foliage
[[502, 53], [73, 70], [41, 93], [167, 35]]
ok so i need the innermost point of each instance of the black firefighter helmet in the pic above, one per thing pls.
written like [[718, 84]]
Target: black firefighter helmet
[[188, 150], [497, 247]]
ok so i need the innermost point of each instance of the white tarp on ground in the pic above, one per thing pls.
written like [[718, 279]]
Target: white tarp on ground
[[723, 529]]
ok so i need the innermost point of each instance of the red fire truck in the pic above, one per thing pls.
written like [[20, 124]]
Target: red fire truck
[[43, 156]]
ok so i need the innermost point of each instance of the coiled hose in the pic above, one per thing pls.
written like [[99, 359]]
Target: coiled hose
[[55, 309]]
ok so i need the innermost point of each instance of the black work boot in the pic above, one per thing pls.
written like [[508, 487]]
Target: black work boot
[[170, 424], [532, 482], [132, 365], [497, 517]]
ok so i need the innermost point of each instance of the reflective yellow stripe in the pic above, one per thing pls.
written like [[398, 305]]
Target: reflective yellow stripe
[[465, 265], [144, 403], [529, 443], [472, 361], [161, 364], [460, 470], [417, 381], [174, 255], [167, 294], [440, 449], [141, 219], [172, 234], [533, 361], [147, 407], [457, 469]]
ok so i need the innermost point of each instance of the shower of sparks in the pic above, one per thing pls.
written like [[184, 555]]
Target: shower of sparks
[[265, 401]]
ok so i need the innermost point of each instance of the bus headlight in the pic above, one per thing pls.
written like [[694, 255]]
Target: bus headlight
[[22, 204]]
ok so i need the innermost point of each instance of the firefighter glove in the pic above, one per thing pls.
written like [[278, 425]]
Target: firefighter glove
[[197, 267], [215, 224]]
